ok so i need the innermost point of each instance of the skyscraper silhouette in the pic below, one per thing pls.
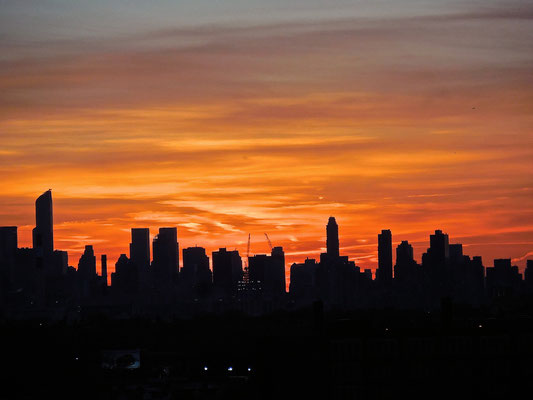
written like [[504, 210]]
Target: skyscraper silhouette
[[439, 247], [528, 276], [456, 253], [87, 272], [87, 264], [404, 253], [267, 272], [406, 270], [332, 238], [140, 253], [195, 274], [384, 273], [166, 257], [140, 247], [504, 279], [227, 270], [276, 273], [103, 260], [302, 285], [43, 233], [8, 251], [125, 279]]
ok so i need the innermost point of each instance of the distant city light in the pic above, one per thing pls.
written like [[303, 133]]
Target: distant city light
[[205, 368], [249, 369], [230, 368]]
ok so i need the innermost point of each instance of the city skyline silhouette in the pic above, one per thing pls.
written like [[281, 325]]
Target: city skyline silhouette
[[367, 260], [315, 112], [151, 275], [266, 199], [337, 331]]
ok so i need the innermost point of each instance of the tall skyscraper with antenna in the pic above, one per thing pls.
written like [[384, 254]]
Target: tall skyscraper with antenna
[[332, 238]]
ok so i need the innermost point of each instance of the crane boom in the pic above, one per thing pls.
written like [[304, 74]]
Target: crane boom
[[269, 242]]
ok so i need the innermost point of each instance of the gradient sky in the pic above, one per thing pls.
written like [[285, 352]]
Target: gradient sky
[[232, 117]]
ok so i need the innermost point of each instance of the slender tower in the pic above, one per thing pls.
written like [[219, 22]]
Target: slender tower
[[140, 250], [332, 238], [385, 257], [43, 233], [104, 268]]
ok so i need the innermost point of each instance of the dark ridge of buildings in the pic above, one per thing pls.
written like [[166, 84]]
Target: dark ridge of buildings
[[38, 281]]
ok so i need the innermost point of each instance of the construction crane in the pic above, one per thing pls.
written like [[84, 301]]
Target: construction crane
[[246, 275], [269, 242]]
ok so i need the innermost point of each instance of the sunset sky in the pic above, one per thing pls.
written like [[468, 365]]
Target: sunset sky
[[225, 118]]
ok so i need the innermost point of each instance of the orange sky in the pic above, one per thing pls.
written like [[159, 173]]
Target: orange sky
[[224, 128]]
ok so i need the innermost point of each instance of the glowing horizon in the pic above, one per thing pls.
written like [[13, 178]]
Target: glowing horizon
[[236, 119]]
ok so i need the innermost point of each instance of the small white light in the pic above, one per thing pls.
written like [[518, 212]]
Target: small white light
[[76, 358], [480, 326], [230, 368], [249, 369], [205, 368]]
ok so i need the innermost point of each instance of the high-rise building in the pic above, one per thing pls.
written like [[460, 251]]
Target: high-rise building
[[8, 240], [103, 261], [195, 261], [125, 279], [504, 279], [87, 264], [8, 251], [302, 285], [87, 272], [256, 268], [276, 272], [384, 273], [43, 233], [59, 263], [404, 253], [332, 238], [140, 253], [267, 272], [227, 270], [439, 247], [528, 275], [140, 247], [195, 273], [166, 256], [406, 267], [456, 253]]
